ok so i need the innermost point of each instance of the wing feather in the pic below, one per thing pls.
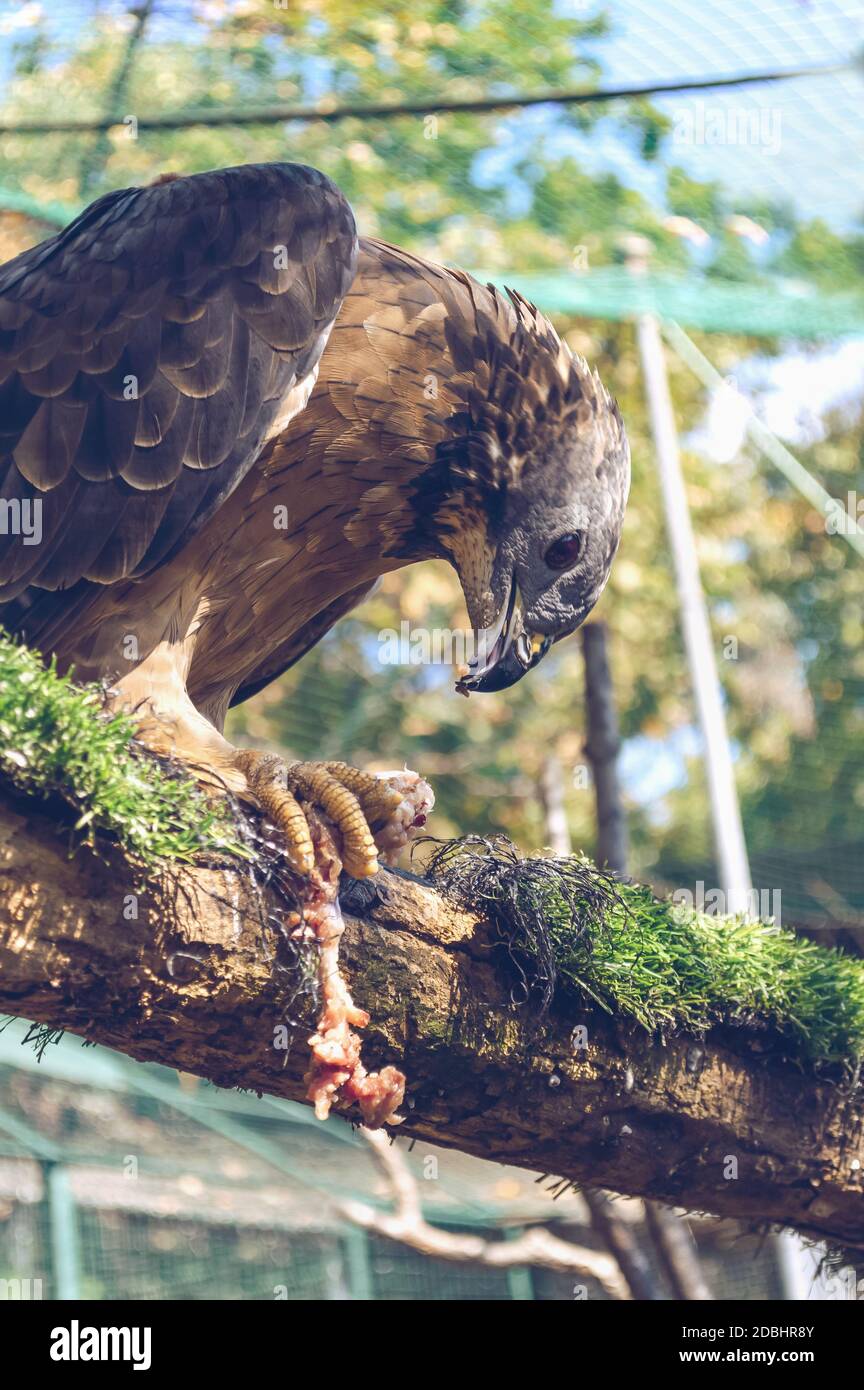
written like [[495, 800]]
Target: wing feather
[[145, 352]]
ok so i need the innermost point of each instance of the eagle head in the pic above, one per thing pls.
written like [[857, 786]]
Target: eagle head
[[540, 470]]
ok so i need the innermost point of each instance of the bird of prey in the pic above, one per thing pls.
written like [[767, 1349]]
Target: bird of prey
[[222, 417]]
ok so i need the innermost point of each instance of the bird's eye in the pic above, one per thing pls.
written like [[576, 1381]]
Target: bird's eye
[[563, 553]]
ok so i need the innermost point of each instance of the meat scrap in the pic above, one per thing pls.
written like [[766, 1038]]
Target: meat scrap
[[336, 1074], [409, 816]]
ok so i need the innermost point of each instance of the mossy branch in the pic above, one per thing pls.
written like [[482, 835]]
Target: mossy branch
[[58, 738], [545, 1014]]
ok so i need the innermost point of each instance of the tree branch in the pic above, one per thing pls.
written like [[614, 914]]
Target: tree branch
[[186, 971], [623, 1243], [407, 1226]]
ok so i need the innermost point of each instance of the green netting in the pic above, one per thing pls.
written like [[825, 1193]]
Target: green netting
[[752, 159], [148, 1258], [768, 310], [772, 309], [51, 213], [157, 1204]]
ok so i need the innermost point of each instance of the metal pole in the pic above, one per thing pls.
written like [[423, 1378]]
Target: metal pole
[[672, 1239], [94, 158], [361, 1282], [63, 1218], [619, 1240], [731, 850], [768, 443], [520, 1278], [555, 813]]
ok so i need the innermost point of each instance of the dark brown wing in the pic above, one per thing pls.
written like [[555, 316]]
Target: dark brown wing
[[145, 353]]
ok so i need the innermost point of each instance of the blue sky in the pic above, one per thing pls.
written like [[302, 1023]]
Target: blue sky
[[820, 162]]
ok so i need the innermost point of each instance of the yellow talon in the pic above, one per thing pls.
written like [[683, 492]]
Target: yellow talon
[[318, 783], [378, 799], [356, 802], [265, 774]]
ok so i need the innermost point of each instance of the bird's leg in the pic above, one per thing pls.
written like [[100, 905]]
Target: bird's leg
[[332, 815], [374, 816], [336, 1073], [329, 815]]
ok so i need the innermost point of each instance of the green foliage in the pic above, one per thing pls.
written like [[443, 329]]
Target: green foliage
[[816, 253], [688, 197], [412, 179], [667, 966], [57, 738]]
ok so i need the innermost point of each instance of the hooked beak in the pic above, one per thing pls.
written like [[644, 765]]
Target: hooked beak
[[505, 651]]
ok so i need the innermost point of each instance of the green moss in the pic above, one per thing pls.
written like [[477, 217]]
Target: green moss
[[58, 739], [573, 930], [677, 968]]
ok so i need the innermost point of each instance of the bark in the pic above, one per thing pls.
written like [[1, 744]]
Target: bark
[[193, 981]]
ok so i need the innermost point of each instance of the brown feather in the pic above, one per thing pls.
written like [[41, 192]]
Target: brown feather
[[158, 290]]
